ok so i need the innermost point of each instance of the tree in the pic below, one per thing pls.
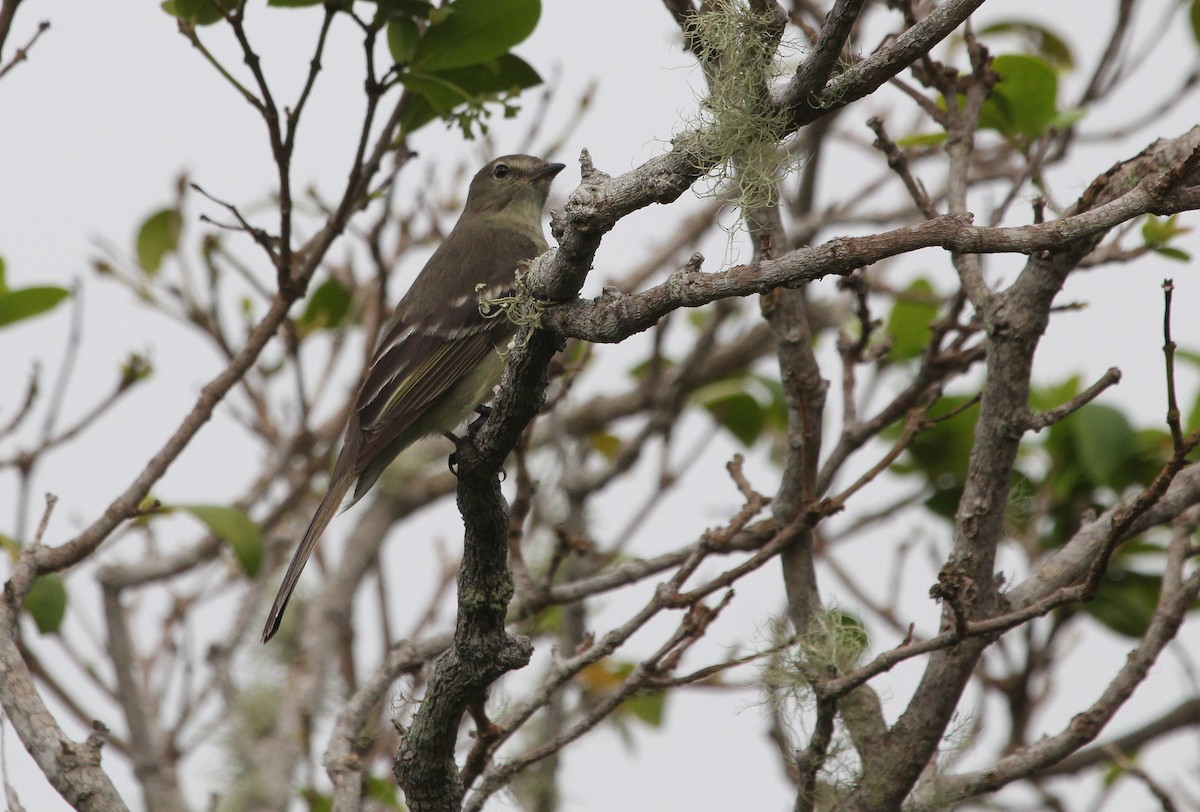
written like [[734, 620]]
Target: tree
[[868, 396]]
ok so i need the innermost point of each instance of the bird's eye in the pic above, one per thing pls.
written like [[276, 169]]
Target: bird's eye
[[500, 171]]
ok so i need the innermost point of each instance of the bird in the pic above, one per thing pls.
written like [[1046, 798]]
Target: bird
[[439, 358]]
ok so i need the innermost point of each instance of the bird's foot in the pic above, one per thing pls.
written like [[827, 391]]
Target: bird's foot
[[484, 412]]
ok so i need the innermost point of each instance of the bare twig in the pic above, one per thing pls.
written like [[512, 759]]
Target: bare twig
[[1173, 422], [22, 53], [1051, 416]]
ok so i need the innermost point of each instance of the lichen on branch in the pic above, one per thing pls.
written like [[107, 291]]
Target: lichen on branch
[[740, 47]]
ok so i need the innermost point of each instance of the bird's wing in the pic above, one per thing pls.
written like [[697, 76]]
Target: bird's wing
[[439, 336], [405, 380]]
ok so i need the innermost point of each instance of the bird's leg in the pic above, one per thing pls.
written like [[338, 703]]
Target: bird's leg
[[452, 461], [484, 413]]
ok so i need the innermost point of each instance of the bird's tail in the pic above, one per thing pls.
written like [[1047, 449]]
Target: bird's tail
[[338, 485]]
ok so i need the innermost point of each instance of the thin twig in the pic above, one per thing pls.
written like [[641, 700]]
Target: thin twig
[[1037, 422], [22, 53], [1173, 423]]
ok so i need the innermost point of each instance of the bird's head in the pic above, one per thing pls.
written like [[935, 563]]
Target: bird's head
[[513, 186]]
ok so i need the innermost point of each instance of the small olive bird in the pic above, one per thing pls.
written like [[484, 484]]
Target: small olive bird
[[439, 357]]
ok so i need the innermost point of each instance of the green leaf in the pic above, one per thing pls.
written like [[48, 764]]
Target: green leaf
[[642, 369], [475, 31], [158, 236], [235, 528], [1023, 104], [1126, 601], [318, 801], [438, 93], [775, 411], [402, 38], [1113, 773], [921, 140], [603, 677], [1174, 253], [1103, 439], [326, 308], [910, 318], [198, 12], [940, 453], [1158, 231], [24, 303], [1194, 17], [1039, 38], [649, 706], [609, 445], [733, 408], [843, 640], [945, 498], [46, 602], [1068, 117], [392, 9], [1045, 398], [16, 305]]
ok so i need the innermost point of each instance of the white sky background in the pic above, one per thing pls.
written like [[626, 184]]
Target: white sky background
[[114, 104]]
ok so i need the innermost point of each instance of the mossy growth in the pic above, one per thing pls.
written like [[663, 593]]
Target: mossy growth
[[833, 644], [521, 307], [740, 48]]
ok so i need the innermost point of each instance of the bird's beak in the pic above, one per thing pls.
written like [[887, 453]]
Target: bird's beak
[[547, 171]]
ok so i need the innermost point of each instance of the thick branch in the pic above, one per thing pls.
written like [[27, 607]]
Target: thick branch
[[152, 763], [1014, 320], [72, 768], [867, 76], [341, 757], [1184, 715], [611, 319], [814, 72], [1177, 596], [483, 650]]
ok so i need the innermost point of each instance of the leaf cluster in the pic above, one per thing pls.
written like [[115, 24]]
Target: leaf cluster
[[454, 59]]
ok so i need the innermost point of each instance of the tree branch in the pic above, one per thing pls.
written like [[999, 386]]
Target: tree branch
[[613, 318]]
